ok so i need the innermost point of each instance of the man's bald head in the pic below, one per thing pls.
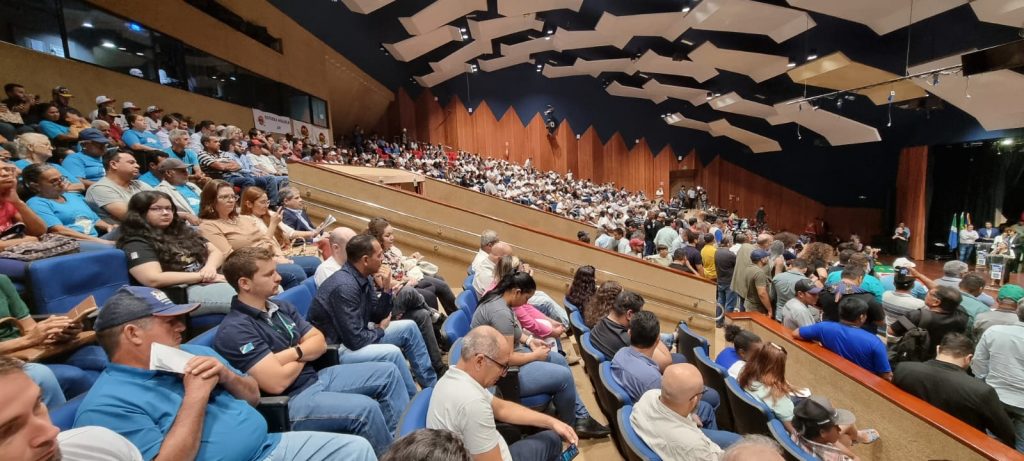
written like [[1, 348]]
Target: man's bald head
[[680, 383], [339, 237], [483, 339], [499, 250], [763, 240], [753, 447]]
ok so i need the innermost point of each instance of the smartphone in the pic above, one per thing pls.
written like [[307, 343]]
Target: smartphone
[[570, 453]]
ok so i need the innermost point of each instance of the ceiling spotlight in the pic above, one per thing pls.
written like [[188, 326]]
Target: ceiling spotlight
[[547, 38], [791, 65], [463, 30], [87, 25], [465, 37], [710, 95], [839, 103], [122, 48], [139, 53], [862, 197], [686, 9], [108, 45], [577, 137], [812, 57], [470, 110], [1007, 142], [232, 78], [551, 31]]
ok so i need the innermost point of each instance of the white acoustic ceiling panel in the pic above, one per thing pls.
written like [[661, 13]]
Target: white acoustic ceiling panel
[[437, 77], [520, 7], [836, 129], [459, 57], [882, 16], [501, 62], [1005, 12], [757, 143], [995, 99], [617, 89], [734, 103], [439, 13], [483, 32], [666, 25], [656, 63], [695, 96], [592, 68], [365, 6], [500, 27], [525, 49], [419, 45], [679, 120], [751, 17], [757, 66]]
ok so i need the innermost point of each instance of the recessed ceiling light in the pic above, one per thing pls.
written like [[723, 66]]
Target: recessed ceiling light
[[862, 197], [812, 57], [686, 10], [1007, 142], [87, 25], [463, 30], [139, 53], [122, 48], [108, 45], [547, 38], [791, 65], [551, 31]]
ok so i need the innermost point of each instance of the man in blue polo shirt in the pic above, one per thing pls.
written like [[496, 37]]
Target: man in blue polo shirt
[[849, 340], [153, 161], [202, 411], [275, 345], [87, 165]]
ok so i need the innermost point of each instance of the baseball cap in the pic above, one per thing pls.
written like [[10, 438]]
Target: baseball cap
[[151, 109], [819, 410], [62, 91], [92, 134], [148, 302], [1014, 292], [103, 99], [903, 262], [172, 164], [129, 105], [802, 285], [758, 255]]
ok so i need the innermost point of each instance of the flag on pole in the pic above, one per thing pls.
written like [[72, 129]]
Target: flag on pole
[[954, 238]]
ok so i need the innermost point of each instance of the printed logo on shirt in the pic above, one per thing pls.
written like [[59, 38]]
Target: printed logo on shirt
[[247, 348], [133, 255]]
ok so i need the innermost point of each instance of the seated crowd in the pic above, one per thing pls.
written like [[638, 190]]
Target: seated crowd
[[212, 229]]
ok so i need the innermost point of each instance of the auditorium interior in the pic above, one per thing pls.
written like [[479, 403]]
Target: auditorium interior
[[562, 126]]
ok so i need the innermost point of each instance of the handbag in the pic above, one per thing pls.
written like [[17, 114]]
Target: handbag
[[300, 247], [49, 245], [85, 309]]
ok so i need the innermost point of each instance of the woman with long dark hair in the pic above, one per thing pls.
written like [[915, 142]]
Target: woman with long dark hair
[[229, 231], [584, 285], [598, 306], [541, 370], [164, 251], [429, 285]]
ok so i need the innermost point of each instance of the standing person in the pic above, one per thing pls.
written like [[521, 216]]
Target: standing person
[[942, 315], [988, 233], [900, 239], [784, 284], [967, 238], [762, 217], [1005, 312], [725, 266], [757, 299], [707, 256], [999, 361]]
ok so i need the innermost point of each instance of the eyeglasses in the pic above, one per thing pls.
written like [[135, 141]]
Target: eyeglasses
[[227, 198], [699, 394], [57, 181], [161, 209], [503, 366]]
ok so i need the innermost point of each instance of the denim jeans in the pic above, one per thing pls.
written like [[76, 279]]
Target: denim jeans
[[553, 377], [321, 446], [544, 303], [296, 272], [726, 302], [1017, 416], [364, 399], [439, 288], [49, 387], [542, 446], [269, 185], [706, 412], [406, 335], [966, 250], [214, 298], [381, 353]]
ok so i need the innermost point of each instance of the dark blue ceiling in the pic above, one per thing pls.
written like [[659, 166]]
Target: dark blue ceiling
[[837, 176]]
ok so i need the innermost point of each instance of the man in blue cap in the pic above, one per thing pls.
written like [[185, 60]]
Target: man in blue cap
[[87, 165], [203, 410]]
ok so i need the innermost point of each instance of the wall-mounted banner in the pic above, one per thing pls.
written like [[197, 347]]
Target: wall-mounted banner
[[316, 135], [271, 123]]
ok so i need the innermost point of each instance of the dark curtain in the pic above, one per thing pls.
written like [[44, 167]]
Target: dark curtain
[[980, 178]]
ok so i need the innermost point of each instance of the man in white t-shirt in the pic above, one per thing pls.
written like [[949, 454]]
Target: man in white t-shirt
[[462, 404], [487, 240], [29, 434]]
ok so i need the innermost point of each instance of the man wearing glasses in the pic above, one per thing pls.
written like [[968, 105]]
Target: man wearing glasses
[[87, 165], [462, 404]]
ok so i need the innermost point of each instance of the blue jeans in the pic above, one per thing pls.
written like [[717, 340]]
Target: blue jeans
[[237, 180], [966, 250], [1017, 417], [726, 302], [301, 268], [381, 353], [268, 184], [364, 399], [406, 335], [317, 446], [554, 378], [543, 302], [542, 446], [49, 387], [706, 412]]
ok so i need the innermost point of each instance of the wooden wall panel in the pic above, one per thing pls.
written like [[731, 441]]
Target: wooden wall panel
[[911, 183], [865, 222]]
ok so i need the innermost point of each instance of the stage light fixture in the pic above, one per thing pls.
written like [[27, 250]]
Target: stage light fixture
[[1007, 142]]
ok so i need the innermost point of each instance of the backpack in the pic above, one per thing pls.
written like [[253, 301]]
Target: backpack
[[915, 345]]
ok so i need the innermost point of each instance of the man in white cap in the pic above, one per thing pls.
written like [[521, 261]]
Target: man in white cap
[[102, 102], [127, 107], [153, 116]]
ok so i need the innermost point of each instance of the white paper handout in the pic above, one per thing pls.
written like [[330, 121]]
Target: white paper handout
[[323, 226], [166, 358]]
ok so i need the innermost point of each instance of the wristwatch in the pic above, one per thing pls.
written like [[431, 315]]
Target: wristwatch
[[298, 350]]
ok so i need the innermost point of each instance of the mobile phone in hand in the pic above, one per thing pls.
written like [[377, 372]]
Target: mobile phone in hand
[[570, 453]]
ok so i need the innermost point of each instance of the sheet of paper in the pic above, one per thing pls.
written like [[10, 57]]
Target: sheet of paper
[[327, 222], [166, 358]]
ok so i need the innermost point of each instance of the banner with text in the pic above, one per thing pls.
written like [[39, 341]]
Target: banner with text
[[316, 135], [271, 123]]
